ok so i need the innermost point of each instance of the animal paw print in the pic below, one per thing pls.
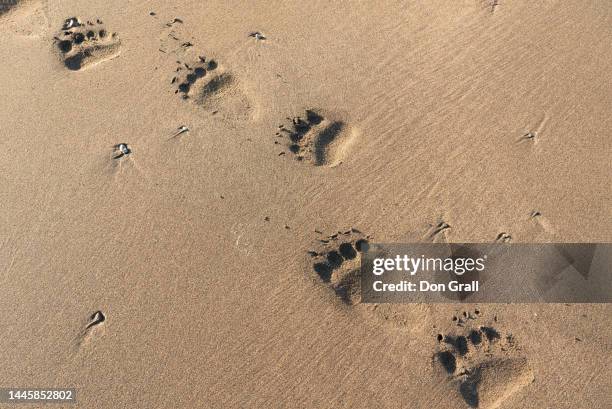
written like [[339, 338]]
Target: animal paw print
[[85, 44], [482, 364], [337, 262], [188, 74], [316, 139], [212, 88]]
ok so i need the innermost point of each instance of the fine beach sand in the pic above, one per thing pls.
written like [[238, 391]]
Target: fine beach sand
[[464, 121]]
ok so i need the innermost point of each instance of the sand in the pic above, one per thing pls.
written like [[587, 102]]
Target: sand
[[490, 121]]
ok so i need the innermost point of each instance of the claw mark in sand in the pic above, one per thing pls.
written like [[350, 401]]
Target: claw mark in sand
[[437, 231], [494, 5], [503, 237], [543, 222]]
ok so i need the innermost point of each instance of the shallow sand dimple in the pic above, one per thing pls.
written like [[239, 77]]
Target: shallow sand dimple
[[440, 122]]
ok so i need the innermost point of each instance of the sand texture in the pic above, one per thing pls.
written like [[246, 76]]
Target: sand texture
[[203, 175]]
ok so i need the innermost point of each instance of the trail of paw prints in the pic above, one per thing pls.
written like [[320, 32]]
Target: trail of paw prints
[[211, 87], [82, 45], [481, 365], [316, 139]]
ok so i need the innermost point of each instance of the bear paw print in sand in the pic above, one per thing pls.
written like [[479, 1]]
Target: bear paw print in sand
[[83, 44], [482, 365]]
